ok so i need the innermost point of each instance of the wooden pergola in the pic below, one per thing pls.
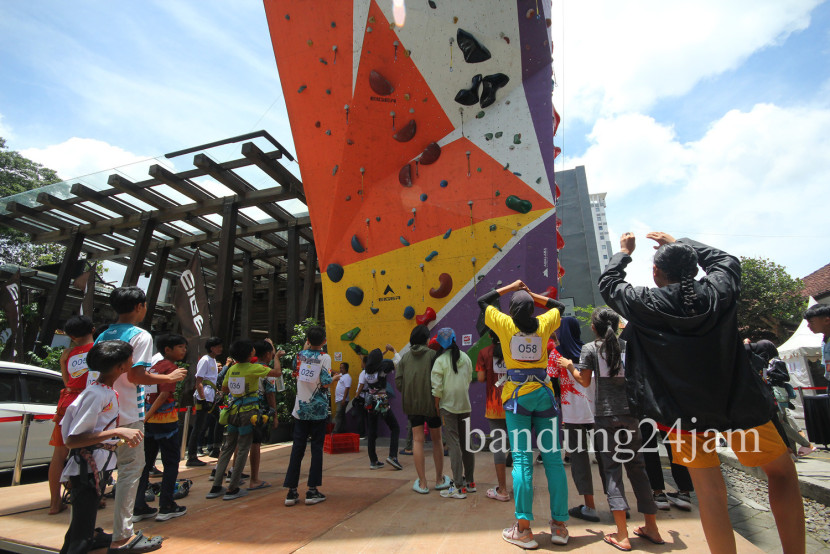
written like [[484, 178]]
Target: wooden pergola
[[156, 231]]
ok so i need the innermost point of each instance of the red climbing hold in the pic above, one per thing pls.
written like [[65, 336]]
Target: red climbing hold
[[405, 175], [431, 154], [560, 242], [406, 133], [425, 318], [379, 84], [444, 288]]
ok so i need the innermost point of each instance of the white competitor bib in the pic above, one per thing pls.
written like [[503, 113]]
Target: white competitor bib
[[309, 370], [279, 383], [151, 389], [91, 376], [236, 385], [498, 367], [526, 347], [76, 365]]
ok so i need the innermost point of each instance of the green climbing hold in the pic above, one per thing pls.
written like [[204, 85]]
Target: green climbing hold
[[488, 136], [359, 350], [515, 203], [480, 114], [334, 170], [498, 193], [478, 169], [406, 96], [404, 241], [328, 91], [302, 88], [350, 335], [499, 134], [431, 255], [517, 138], [310, 42], [492, 226], [328, 131], [447, 234]]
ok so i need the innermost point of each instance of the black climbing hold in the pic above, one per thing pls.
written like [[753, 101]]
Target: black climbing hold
[[491, 84], [356, 246], [409, 312], [431, 5], [469, 96], [473, 51], [354, 295], [335, 272], [302, 88], [374, 310], [377, 219], [383, 272]]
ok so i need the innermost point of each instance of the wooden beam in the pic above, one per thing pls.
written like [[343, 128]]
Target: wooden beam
[[139, 252], [155, 285], [58, 293], [246, 311], [177, 183], [224, 277], [274, 169]]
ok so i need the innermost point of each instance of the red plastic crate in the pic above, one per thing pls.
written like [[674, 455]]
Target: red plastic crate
[[341, 443]]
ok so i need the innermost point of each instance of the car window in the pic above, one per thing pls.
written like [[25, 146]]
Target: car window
[[9, 389], [43, 390]]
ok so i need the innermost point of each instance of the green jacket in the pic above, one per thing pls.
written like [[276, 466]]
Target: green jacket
[[412, 377]]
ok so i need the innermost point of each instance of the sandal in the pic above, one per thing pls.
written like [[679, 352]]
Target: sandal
[[495, 495], [642, 534], [138, 544], [613, 542]]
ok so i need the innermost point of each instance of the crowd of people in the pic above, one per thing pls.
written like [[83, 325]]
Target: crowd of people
[[617, 394]]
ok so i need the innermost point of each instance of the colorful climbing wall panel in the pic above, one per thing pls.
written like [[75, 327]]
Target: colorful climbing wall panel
[[426, 151]]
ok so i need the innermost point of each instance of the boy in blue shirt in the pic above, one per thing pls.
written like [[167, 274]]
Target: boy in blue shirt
[[311, 409]]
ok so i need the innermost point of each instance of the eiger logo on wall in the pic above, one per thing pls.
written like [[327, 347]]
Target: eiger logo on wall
[[386, 292]]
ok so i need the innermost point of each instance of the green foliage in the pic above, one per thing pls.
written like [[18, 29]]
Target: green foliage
[[583, 314], [50, 360], [19, 174], [772, 302], [285, 399]]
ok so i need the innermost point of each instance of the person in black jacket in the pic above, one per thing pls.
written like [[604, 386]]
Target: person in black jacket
[[688, 371]]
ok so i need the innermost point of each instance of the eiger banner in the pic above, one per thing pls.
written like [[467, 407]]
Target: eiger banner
[[193, 312]]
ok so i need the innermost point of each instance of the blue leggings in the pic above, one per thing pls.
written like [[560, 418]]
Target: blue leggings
[[547, 433]]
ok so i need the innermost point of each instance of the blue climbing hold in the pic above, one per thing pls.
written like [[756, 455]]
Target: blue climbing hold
[[354, 295], [409, 312], [335, 272], [431, 255], [404, 241], [356, 246], [410, 222], [447, 234], [444, 184], [374, 310], [424, 197]]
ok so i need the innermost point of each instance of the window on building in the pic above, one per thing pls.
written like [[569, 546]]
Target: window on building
[[605, 256], [603, 247], [600, 227]]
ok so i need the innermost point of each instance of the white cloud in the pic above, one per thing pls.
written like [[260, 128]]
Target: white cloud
[[748, 185], [81, 156], [615, 57]]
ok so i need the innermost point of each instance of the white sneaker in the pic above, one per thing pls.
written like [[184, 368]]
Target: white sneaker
[[662, 501], [522, 539], [558, 534], [454, 492], [680, 500]]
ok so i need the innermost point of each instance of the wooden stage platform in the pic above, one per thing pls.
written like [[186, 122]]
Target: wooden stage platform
[[366, 511]]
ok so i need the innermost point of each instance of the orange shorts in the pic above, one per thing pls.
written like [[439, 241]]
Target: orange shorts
[[57, 438], [753, 447]]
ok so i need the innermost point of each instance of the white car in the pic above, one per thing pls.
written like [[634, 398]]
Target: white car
[[25, 389]]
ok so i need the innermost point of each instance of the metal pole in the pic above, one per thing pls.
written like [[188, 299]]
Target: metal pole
[[21, 449], [185, 432]]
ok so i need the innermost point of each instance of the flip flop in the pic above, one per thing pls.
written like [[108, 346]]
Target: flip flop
[[138, 544], [262, 485], [646, 537], [615, 544]]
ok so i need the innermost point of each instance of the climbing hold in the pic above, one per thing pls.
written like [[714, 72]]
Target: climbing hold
[[409, 287], [431, 4], [328, 91], [368, 29], [409, 312], [513, 232], [431, 255], [383, 272], [310, 42], [444, 184], [558, 192], [302, 88], [473, 51], [379, 84], [561, 271], [447, 234], [328, 132], [480, 114], [539, 180], [335, 272], [498, 193], [499, 134], [406, 133], [323, 61], [333, 24], [405, 176], [356, 246], [478, 169], [287, 17], [558, 223], [374, 310], [497, 247], [492, 226], [560, 242], [431, 154], [359, 350], [530, 13], [406, 96], [556, 152], [488, 136], [426, 317], [469, 96], [354, 295], [515, 203], [334, 170], [404, 241], [421, 266], [423, 197], [517, 174], [411, 110], [410, 222], [552, 292], [444, 287], [490, 85], [517, 138], [455, 20], [348, 197], [350, 335]]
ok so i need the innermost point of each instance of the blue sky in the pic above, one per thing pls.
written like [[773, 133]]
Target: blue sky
[[709, 119]]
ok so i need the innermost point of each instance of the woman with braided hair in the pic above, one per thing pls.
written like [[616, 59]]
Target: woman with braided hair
[[687, 370]]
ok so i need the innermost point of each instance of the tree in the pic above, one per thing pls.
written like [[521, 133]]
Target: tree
[[772, 302], [20, 174]]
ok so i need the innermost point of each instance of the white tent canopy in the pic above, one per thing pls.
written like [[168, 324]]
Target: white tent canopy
[[803, 347]]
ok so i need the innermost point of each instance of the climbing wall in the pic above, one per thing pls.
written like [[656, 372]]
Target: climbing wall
[[426, 151]]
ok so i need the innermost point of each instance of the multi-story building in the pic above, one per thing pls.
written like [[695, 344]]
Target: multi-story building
[[601, 228]]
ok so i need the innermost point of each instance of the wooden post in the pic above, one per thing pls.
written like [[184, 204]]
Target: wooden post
[[292, 279], [155, 285], [142, 243], [224, 272], [246, 310], [307, 305], [58, 293]]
